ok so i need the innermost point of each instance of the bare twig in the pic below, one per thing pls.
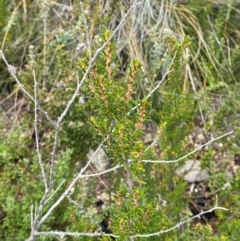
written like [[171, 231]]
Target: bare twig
[[90, 160], [76, 234], [158, 85], [35, 225], [178, 225], [146, 161], [54, 153], [55, 191], [190, 153], [20, 85], [36, 132], [104, 172], [67, 191], [156, 161], [163, 78], [44, 11], [32, 208]]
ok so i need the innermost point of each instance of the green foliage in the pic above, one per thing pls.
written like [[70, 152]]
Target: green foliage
[[176, 98], [15, 195], [115, 114]]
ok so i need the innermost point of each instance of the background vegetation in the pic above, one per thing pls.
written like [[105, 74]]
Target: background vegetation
[[171, 69]]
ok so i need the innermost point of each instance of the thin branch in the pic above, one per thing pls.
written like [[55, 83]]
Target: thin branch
[[12, 72], [36, 225], [190, 153], [158, 85], [54, 154], [32, 208], [44, 10], [76, 234], [104, 172], [155, 161], [178, 225], [56, 190], [163, 78], [90, 160], [68, 190], [36, 132]]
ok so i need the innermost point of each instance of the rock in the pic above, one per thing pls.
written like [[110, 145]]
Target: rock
[[192, 172], [200, 137], [148, 138], [99, 160]]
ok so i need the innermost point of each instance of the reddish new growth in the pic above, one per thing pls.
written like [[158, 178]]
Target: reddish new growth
[[141, 116], [108, 60], [130, 84]]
